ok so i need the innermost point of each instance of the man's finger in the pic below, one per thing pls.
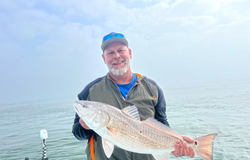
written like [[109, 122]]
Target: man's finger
[[186, 149], [176, 153], [188, 139], [191, 151], [181, 149]]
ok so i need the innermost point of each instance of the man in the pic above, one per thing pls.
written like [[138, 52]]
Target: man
[[120, 88]]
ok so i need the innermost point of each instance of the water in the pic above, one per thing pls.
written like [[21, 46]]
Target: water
[[193, 111]]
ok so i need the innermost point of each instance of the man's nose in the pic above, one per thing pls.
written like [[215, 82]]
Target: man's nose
[[117, 55]]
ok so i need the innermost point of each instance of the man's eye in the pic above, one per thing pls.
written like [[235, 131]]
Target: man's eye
[[110, 52], [120, 50]]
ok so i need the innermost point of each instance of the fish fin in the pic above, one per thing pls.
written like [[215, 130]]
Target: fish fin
[[108, 147], [132, 111], [153, 123], [162, 157], [204, 145], [111, 133]]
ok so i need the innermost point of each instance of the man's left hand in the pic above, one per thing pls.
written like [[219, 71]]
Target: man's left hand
[[181, 148]]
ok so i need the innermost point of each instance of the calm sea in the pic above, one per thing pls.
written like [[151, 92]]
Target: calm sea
[[194, 111]]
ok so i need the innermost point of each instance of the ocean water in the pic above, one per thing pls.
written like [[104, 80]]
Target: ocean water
[[193, 111]]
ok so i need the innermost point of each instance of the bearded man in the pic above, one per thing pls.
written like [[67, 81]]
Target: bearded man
[[121, 88]]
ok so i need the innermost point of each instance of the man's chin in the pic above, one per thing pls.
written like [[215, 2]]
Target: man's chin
[[118, 72]]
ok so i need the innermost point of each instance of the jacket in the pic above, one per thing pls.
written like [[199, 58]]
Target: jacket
[[145, 94]]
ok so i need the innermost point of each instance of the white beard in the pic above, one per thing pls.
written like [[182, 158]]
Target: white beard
[[120, 71]]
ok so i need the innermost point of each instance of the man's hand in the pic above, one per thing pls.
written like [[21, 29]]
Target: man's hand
[[84, 125], [181, 148]]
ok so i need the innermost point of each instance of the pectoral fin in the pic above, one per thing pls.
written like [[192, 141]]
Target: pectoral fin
[[108, 147], [110, 132], [161, 157]]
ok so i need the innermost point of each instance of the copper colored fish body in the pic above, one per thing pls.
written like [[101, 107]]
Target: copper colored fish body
[[124, 129]]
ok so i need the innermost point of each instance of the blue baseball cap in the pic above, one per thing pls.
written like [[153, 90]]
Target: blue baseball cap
[[113, 37]]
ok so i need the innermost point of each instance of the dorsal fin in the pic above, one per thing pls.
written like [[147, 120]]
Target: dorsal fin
[[132, 111], [151, 122]]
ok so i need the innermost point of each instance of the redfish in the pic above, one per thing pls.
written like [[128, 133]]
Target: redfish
[[124, 129]]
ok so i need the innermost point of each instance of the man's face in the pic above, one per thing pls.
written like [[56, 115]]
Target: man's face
[[117, 58]]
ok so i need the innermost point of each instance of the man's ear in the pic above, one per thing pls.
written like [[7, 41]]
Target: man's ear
[[103, 57], [130, 53]]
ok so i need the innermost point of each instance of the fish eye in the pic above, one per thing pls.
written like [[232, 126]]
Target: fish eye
[[195, 143]]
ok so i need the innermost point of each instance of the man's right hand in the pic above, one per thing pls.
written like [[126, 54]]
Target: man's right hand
[[84, 125]]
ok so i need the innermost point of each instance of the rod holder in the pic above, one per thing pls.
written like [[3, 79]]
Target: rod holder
[[44, 136]]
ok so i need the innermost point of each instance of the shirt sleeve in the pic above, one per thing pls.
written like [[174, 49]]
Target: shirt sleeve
[[160, 107]]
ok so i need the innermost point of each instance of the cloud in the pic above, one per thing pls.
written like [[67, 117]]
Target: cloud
[[199, 44], [71, 37], [28, 23], [14, 5], [55, 45], [70, 12]]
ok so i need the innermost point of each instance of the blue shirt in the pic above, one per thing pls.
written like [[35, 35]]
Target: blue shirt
[[124, 88]]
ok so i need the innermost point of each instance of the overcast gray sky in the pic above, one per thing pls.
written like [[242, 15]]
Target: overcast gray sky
[[51, 49]]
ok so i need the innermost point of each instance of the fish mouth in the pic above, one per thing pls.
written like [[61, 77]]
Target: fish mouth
[[78, 107]]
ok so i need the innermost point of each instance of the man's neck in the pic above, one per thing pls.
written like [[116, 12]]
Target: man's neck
[[122, 79]]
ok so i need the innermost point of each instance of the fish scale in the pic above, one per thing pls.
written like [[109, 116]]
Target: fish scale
[[132, 139]]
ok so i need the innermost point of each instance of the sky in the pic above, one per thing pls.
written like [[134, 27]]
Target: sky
[[51, 49]]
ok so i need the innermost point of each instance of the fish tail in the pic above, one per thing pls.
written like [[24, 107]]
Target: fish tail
[[204, 146]]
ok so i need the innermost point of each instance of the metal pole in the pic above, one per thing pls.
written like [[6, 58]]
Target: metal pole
[[43, 136], [44, 150]]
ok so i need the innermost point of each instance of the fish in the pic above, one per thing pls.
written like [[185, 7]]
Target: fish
[[124, 129]]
